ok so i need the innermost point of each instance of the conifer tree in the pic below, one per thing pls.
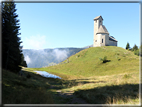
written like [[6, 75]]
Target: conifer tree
[[11, 49], [23, 62], [127, 46], [135, 48]]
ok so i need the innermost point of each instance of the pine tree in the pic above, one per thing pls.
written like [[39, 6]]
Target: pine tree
[[23, 62], [127, 46], [11, 49], [135, 48]]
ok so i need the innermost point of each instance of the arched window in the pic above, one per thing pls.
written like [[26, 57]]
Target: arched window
[[102, 40]]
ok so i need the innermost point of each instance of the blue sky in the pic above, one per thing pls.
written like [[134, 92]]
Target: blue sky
[[59, 25]]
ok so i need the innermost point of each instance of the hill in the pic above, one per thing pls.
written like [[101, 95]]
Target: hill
[[87, 62], [47, 57], [85, 80]]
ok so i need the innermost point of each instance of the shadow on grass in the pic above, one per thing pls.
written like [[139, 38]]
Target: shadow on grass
[[22, 90], [106, 61], [110, 94], [34, 90], [60, 83]]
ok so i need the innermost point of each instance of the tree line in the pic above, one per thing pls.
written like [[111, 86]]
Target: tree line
[[135, 49], [12, 56]]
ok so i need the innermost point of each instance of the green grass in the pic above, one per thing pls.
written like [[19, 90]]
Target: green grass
[[86, 63], [120, 72], [112, 82]]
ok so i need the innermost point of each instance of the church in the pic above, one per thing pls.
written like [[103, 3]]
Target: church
[[101, 34]]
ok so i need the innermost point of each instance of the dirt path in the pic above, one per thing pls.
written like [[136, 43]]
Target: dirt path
[[69, 97]]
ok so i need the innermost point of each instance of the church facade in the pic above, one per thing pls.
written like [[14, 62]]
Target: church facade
[[101, 35]]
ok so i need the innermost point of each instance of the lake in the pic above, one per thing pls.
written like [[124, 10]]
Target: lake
[[46, 74]]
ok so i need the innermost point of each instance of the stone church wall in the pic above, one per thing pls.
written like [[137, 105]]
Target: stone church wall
[[97, 40], [107, 39], [112, 43], [103, 40]]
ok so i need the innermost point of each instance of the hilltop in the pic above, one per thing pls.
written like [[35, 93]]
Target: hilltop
[[86, 63]]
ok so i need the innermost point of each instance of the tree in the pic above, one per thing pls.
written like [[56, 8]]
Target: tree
[[23, 62], [11, 49], [136, 52], [128, 46], [135, 48]]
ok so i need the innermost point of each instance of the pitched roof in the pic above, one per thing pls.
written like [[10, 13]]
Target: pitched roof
[[112, 38], [98, 17], [102, 29]]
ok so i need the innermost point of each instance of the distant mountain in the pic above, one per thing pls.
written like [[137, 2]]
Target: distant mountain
[[88, 46], [48, 57]]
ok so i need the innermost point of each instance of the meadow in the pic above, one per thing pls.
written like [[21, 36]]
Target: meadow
[[85, 79]]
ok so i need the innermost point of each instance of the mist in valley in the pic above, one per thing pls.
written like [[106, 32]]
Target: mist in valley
[[39, 56], [47, 57]]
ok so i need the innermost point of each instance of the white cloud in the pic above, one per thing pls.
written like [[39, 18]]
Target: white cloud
[[36, 42], [60, 54], [27, 59]]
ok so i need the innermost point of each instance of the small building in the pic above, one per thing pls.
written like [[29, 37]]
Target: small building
[[101, 34]]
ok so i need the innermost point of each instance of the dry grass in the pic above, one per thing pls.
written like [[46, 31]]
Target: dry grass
[[23, 90]]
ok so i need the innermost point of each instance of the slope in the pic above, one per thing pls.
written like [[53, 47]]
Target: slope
[[84, 75], [87, 62]]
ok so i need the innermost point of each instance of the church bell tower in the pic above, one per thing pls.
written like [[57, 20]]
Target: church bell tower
[[97, 22]]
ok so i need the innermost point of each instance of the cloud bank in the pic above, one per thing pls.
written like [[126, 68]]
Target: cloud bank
[[27, 59], [36, 42], [60, 54]]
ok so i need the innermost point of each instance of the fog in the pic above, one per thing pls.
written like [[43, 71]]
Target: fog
[[37, 56], [60, 54], [43, 57], [27, 59]]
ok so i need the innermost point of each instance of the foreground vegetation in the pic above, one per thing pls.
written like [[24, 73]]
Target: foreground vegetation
[[28, 89], [85, 76]]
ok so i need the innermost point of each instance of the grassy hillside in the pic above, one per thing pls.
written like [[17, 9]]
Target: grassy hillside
[[86, 63], [85, 76], [113, 82]]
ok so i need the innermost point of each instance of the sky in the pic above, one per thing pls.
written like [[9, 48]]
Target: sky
[[62, 25]]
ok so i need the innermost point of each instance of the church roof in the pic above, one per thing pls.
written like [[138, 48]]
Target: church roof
[[112, 38], [98, 17], [102, 29]]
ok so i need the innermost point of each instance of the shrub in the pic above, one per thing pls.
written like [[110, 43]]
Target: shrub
[[126, 76], [136, 52], [103, 59]]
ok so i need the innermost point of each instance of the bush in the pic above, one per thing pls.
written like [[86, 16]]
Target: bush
[[103, 59], [136, 52]]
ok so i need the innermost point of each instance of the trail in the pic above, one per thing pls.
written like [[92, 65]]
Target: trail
[[69, 97]]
